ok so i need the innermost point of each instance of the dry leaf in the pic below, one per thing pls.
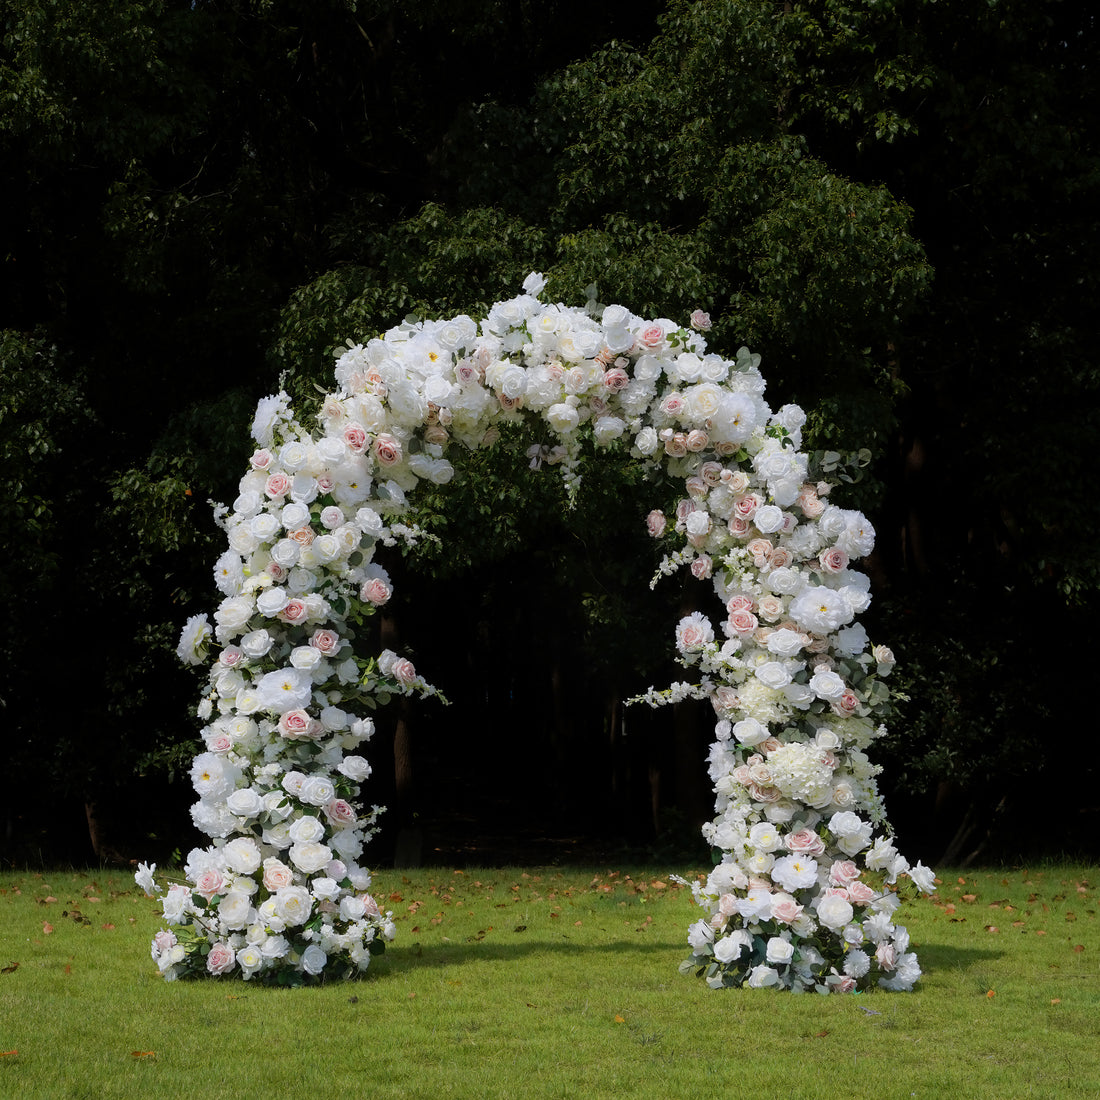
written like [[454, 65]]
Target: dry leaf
[[620, 1020], [47, 928], [992, 928], [108, 928], [970, 897], [146, 1055], [10, 968], [991, 993], [1078, 948], [1056, 1000], [8, 1053]]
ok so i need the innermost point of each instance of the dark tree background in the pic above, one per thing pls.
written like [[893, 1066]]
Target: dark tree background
[[894, 202]]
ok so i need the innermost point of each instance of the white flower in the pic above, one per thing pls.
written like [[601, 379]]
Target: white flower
[[287, 689], [796, 871], [314, 959], [700, 936], [310, 858], [820, 610], [760, 977], [245, 802], [563, 418], [856, 963], [834, 911], [193, 640], [355, 768], [923, 877], [144, 878], [242, 855], [534, 284], [729, 948], [779, 950]]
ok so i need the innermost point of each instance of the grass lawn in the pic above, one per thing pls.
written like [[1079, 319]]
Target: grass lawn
[[556, 982]]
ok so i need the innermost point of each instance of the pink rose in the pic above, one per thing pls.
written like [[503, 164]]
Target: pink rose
[[340, 814], [743, 622], [387, 450], [859, 893], [746, 507], [676, 445], [846, 705], [781, 558], [786, 909], [230, 657], [740, 602], [843, 873], [771, 607], [325, 482], [711, 473], [210, 882], [672, 405], [356, 438], [700, 321], [163, 941], [262, 459], [370, 906], [278, 485], [295, 611], [761, 550], [221, 959], [303, 536], [653, 336], [738, 526], [696, 487], [887, 955], [375, 591], [467, 374], [697, 440], [220, 743], [615, 380], [327, 641], [834, 560], [655, 523], [844, 984], [805, 840], [404, 672], [724, 699], [294, 724], [701, 567], [276, 875]]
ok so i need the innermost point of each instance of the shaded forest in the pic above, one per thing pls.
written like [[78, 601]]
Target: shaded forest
[[894, 203]]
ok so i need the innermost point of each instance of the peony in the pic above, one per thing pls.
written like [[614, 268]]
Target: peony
[[693, 632], [287, 689], [795, 872]]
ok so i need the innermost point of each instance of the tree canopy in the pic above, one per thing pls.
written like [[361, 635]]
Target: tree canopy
[[892, 201]]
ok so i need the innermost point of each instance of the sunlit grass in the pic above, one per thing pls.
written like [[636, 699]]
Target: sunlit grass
[[552, 983]]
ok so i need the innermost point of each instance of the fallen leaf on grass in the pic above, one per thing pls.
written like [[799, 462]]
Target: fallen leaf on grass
[[1056, 1000], [8, 1053], [576, 924], [521, 928], [47, 928], [821, 1034], [144, 1055], [991, 993], [992, 928], [412, 996], [1039, 932], [1078, 948], [620, 1020], [970, 897], [108, 928], [10, 968]]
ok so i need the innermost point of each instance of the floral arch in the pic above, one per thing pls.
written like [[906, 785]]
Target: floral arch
[[805, 887]]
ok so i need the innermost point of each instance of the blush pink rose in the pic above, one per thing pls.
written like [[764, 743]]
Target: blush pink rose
[[295, 611], [672, 405], [404, 672], [843, 873], [356, 438], [210, 882], [340, 813], [615, 380], [652, 336], [387, 450], [786, 909], [887, 955], [676, 445], [701, 567], [834, 560], [859, 893], [743, 622], [220, 743], [740, 602], [697, 440], [261, 459], [327, 641], [277, 485], [846, 705], [303, 536], [294, 724], [807, 841], [655, 523], [221, 959], [375, 591], [277, 875], [746, 507], [761, 550]]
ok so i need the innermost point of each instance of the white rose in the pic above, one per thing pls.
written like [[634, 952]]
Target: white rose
[[306, 830], [646, 441], [235, 909], [310, 858], [242, 855], [779, 951], [245, 803], [563, 418], [313, 959], [356, 768]]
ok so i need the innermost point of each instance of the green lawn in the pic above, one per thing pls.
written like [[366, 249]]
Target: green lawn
[[552, 983]]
